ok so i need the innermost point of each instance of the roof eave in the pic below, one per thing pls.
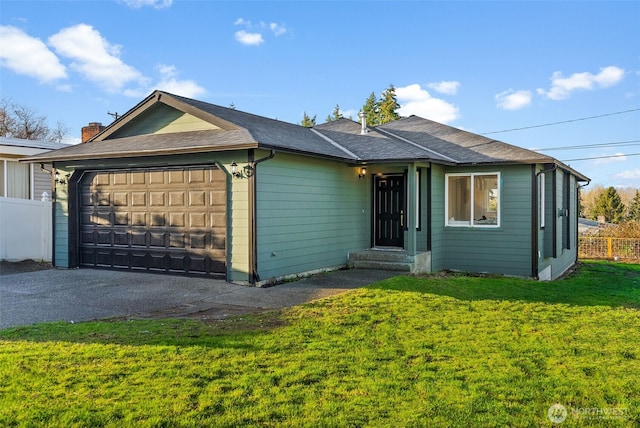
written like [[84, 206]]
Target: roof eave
[[141, 153]]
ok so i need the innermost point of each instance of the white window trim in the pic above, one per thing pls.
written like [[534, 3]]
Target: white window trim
[[5, 180], [470, 224]]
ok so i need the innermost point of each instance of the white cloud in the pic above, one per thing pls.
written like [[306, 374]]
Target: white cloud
[[415, 100], [169, 83], [445, 87], [610, 158], [277, 29], [513, 100], [29, 56], [249, 39], [562, 87], [157, 4], [253, 35], [631, 174], [95, 58]]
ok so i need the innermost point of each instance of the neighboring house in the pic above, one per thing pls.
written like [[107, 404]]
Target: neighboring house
[[181, 186], [591, 227], [23, 180], [25, 207]]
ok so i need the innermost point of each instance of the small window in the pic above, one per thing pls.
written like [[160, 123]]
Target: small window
[[15, 179], [473, 200]]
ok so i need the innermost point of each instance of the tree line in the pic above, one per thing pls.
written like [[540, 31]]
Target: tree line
[[614, 205], [378, 111], [19, 121]]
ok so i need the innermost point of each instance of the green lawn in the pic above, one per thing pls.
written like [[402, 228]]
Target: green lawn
[[441, 350]]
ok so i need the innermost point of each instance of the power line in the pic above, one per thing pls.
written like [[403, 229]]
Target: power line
[[593, 146], [562, 122], [602, 157]]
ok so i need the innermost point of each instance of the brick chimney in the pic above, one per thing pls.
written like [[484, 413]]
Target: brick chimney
[[91, 130]]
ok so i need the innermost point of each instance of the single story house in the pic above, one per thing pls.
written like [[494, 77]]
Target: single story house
[[22, 180], [25, 207], [177, 185]]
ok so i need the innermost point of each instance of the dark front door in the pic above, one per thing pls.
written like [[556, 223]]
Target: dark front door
[[389, 211]]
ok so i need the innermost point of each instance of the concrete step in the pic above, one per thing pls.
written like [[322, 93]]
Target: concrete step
[[381, 265], [380, 255]]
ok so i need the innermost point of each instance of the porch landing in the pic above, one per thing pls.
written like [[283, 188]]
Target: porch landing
[[395, 259]]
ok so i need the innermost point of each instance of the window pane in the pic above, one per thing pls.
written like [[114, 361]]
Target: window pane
[[459, 200], [17, 180], [486, 199]]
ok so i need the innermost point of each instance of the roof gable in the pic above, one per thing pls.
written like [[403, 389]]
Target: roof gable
[[162, 119]]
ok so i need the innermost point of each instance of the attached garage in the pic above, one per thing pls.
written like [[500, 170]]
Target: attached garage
[[164, 220]]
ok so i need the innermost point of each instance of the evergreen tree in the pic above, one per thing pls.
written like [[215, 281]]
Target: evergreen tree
[[610, 206], [308, 122], [335, 115], [633, 213], [388, 106], [370, 108]]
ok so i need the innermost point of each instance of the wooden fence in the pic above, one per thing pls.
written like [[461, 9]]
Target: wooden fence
[[608, 248]]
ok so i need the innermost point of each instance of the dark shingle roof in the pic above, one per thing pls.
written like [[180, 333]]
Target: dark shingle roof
[[154, 144], [271, 133], [374, 145], [462, 146], [407, 139]]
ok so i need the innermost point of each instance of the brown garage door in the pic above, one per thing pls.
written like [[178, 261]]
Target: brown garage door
[[160, 220]]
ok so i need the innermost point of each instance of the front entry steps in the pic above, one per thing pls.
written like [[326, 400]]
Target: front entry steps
[[395, 259]]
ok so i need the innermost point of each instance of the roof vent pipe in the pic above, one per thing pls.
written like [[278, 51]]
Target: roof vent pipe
[[363, 121]]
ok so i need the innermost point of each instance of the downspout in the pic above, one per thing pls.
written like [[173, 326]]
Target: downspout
[[53, 212], [254, 277], [534, 217], [534, 222], [429, 205]]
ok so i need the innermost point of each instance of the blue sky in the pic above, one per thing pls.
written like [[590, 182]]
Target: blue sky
[[482, 66]]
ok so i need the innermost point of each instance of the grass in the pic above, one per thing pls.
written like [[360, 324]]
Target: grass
[[441, 350]]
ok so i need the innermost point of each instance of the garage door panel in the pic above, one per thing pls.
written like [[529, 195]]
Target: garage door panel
[[157, 199], [138, 238], [165, 220], [121, 237]]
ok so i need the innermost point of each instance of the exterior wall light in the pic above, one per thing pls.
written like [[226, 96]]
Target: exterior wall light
[[363, 172], [59, 178], [245, 172]]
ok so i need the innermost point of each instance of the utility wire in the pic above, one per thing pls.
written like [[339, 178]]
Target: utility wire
[[593, 146], [562, 122], [602, 157]]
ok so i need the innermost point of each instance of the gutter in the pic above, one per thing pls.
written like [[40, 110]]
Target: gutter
[[254, 276]]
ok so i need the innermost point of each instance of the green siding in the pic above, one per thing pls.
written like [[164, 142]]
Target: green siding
[[502, 250], [311, 214], [61, 224], [565, 257], [163, 119], [437, 218]]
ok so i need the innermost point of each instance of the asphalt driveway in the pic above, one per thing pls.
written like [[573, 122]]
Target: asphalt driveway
[[29, 297]]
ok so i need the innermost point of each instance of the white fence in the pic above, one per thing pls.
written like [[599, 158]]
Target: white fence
[[25, 229]]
